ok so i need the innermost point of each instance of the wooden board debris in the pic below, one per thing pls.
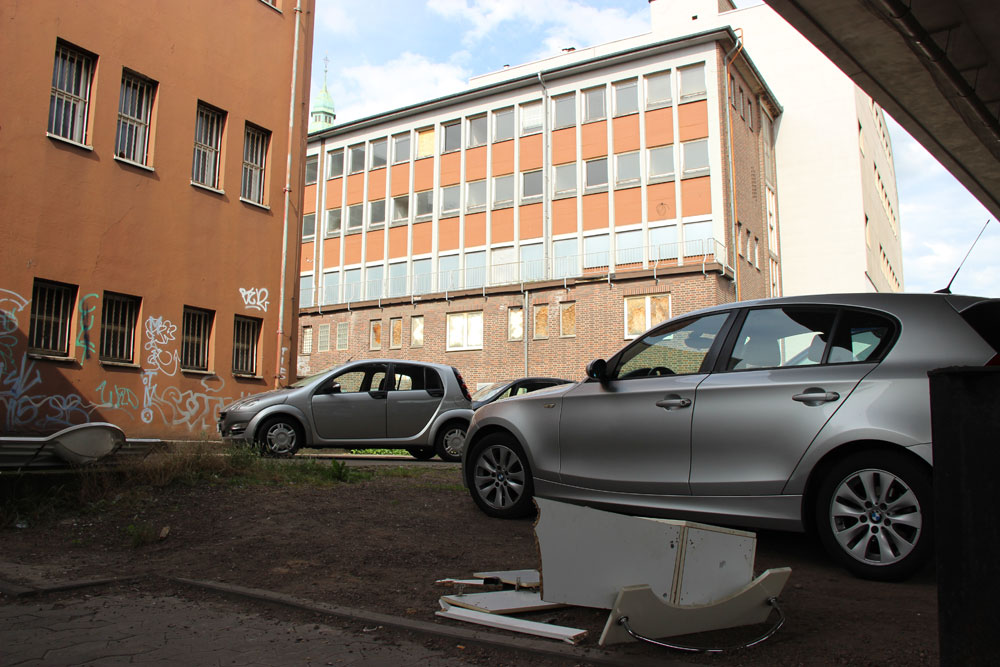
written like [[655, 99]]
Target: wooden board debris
[[524, 578], [568, 635], [650, 616], [502, 602]]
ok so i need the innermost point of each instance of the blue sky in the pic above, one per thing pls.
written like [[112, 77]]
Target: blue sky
[[384, 54]]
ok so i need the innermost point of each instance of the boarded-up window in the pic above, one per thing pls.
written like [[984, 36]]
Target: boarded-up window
[[567, 319], [515, 324], [465, 331], [541, 321], [375, 335], [425, 142], [642, 312], [395, 333], [417, 331]]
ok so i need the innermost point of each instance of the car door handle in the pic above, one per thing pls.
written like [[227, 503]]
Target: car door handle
[[673, 402], [378, 394], [815, 396]]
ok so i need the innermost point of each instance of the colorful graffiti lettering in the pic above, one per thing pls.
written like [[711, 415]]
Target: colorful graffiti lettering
[[255, 298], [11, 303], [116, 397], [86, 324]]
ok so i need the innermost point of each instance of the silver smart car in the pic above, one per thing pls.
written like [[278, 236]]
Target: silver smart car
[[795, 413], [382, 403]]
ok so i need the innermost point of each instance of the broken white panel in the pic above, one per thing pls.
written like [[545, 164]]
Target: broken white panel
[[525, 578], [547, 630], [589, 555], [462, 582], [652, 617], [502, 602]]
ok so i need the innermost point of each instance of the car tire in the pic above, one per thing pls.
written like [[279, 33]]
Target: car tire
[[874, 515], [451, 440], [422, 453], [499, 477], [281, 436]]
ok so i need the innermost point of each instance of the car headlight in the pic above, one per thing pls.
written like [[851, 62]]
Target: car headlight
[[249, 404]]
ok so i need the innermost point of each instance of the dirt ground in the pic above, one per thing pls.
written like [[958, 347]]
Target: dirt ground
[[381, 544]]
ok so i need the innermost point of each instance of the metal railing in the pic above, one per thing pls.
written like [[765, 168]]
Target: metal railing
[[655, 257]]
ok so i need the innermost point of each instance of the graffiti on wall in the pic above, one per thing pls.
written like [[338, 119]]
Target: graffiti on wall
[[86, 324], [170, 405], [24, 404], [115, 396], [255, 298]]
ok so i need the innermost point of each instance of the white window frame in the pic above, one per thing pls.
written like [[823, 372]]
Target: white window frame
[[376, 213], [451, 212], [652, 174], [343, 335], [647, 299], [563, 169], [334, 218], [475, 190], [620, 88], [135, 108], [564, 102], [69, 105], [306, 218], [208, 129], [541, 185], [531, 118], [450, 143], [398, 154], [588, 98], [379, 153], [655, 102], [361, 218], [586, 174], [506, 178], [256, 140], [323, 338], [695, 170], [471, 323], [473, 122], [334, 163], [632, 156], [401, 209], [424, 199], [504, 116]]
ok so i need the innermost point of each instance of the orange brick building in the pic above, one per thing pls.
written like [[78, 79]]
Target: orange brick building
[[144, 207], [535, 222]]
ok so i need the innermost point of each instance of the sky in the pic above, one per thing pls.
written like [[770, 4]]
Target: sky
[[385, 54]]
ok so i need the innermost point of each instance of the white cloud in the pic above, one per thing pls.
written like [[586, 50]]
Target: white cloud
[[334, 18], [368, 89], [940, 221], [563, 23]]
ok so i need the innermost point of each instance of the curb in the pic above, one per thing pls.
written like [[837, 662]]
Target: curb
[[18, 591]]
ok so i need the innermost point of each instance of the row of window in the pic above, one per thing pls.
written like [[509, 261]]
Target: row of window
[[51, 319], [590, 105], [501, 191], [69, 110], [508, 265], [464, 331]]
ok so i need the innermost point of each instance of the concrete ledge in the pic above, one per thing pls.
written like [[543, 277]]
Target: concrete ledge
[[17, 590], [594, 656]]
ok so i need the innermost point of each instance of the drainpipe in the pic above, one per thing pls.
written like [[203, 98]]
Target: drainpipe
[[524, 331], [280, 333], [733, 210]]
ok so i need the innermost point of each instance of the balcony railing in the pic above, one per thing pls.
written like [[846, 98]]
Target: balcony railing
[[693, 252]]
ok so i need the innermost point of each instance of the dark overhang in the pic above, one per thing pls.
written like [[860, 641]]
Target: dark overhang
[[934, 65]]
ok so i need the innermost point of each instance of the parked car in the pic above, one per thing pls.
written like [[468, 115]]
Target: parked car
[[374, 403], [793, 413], [508, 388]]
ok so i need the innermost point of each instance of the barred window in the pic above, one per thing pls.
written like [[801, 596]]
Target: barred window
[[323, 344], [119, 318], [307, 340], [51, 317], [72, 74], [207, 143], [254, 154], [134, 110], [195, 336], [342, 330], [246, 337]]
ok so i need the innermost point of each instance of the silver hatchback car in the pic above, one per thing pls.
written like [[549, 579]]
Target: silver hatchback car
[[375, 403], [794, 413]]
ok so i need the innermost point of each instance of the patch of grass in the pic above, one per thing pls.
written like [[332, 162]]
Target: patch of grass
[[400, 471], [141, 533], [32, 499]]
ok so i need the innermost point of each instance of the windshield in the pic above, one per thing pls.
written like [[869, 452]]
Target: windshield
[[309, 380], [488, 391]]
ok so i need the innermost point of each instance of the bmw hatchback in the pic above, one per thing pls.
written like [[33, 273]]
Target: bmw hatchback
[[375, 403], [795, 413]]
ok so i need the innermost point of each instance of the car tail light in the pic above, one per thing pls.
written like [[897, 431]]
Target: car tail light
[[461, 383]]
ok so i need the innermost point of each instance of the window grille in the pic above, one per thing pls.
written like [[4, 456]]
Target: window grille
[[134, 106], [119, 318], [342, 329], [51, 316], [72, 73], [307, 340], [197, 328], [323, 344], [207, 142], [254, 153], [246, 335]]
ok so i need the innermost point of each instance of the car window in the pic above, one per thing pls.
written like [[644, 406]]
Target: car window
[[860, 337], [362, 378], [410, 377], [677, 348], [778, 337]]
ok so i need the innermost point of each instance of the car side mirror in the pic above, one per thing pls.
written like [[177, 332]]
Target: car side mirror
[[598, 370], [334, 388]]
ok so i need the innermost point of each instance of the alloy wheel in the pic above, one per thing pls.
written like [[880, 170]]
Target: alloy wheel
[[499, 477]]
